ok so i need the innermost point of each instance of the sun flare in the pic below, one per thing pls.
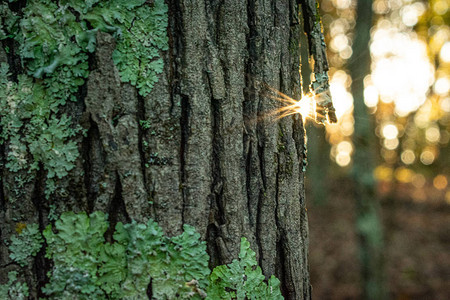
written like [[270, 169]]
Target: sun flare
[[305, 106], [308, 107]]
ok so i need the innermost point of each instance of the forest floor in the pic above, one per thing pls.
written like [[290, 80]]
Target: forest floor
[[417, 240]]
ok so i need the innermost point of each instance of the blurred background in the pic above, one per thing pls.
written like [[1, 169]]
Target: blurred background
[[378, 180]]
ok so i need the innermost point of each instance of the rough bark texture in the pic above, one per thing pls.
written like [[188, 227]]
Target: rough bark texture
[[318, 147], [212, 157]]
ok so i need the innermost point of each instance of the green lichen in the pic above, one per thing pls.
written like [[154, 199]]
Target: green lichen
[[86, 265], [243, 279], [26, 244], [140, 29], [55, 39], [54, 36], [8, 22], [145, 124], [146, 37], [13, 289], [35, 135], [72, 283]]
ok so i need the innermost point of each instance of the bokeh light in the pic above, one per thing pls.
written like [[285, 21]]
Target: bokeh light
[[440, 182], [390, 131], [406, 92], [402, 72], [408, 157], [427, 157]]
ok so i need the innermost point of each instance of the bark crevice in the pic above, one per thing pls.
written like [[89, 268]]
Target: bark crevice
[[41, 265], [117, 210], [280, 244], [141, 116], [184, 125], [91, 135]]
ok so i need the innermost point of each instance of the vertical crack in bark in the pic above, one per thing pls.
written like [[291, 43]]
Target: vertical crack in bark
[[175, 46], [280, 245], [150, 289], [214, 66], [141, 115], [273, 8], [248, 170], [184, 126], [258, 228], [213, 249], [249, 96], [13, 59], [176, 42], [41, 265], [261, 151], [262, 169], [216, 172], [218, 211], [281, 267], [117, 210], [216, 205], [87, 145]]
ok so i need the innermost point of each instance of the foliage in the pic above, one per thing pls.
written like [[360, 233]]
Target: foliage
[[242, 279], [26, 244], [13, 289], [55, 39]]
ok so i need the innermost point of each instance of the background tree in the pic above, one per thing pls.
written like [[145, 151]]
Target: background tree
[[368, 223], [115, 115]]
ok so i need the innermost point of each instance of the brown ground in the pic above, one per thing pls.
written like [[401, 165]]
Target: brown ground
[[417, 245]]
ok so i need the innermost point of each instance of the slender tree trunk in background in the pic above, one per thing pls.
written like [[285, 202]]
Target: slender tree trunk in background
[[318, 164], [368, 222], [209, 158]]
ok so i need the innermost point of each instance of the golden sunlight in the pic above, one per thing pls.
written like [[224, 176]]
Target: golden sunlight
[[402, 72], [306, 106]]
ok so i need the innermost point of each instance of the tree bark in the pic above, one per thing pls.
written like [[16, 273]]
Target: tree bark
[[368, 223], [212, 156]]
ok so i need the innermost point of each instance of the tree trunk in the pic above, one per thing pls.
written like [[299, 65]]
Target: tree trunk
[[211, 156], [368, 223], [318, 147]]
